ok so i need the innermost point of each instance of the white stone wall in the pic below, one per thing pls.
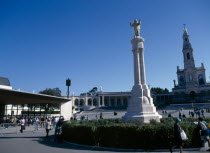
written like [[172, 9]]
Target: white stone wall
[[5, 87]]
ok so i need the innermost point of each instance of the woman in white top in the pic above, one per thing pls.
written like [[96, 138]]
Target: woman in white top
[[48, 127], [22, 125], [36, 124]]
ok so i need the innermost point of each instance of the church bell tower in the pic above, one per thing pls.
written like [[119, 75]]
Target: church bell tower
[[187, 51], [191, 79]]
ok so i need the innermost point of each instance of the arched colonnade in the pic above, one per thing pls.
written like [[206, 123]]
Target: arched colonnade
[[99, 101]]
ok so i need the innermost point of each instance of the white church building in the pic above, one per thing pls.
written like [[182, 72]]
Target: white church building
[[191, 79]]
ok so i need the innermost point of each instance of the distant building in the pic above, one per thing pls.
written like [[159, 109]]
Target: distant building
[[102, 99], [4, 83], [20, 103]]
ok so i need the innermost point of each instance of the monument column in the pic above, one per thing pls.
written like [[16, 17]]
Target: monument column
[[103, 100], [140, 106], [137, 79], [115, 101], [99, 101], [86, 101], [121, 100], [143, 76]]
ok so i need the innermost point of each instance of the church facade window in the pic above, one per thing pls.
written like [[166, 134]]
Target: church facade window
[[181, 81], [190, 77], [95, 102], [192, 95], [82, 102], [89, 102], [188, 56], [201, 79], [76, 102]]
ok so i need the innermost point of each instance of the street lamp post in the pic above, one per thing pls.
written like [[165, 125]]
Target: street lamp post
[[68, 83]]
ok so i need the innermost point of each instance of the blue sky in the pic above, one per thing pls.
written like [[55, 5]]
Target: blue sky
[[42, 43]]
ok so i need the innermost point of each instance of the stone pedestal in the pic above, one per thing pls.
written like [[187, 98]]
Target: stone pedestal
[[140, 106]]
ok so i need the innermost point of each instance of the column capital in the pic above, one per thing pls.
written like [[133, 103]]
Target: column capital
[[137, 43]]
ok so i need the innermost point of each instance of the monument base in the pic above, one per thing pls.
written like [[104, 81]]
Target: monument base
[[141, 107], [145, 118]]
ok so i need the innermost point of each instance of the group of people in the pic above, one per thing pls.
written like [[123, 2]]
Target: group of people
[[48, 123], [197, 112], [85, 117], [180, 136], [42, 122]]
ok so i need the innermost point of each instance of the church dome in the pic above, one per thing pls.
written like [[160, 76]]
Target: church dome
[[4, 81]]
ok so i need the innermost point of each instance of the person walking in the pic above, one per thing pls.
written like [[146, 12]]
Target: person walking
[[178, 142], [42, 122], [48, 127], [58, 131], [96, 117], [22, 126], [204, 132], [36, 124], [101, 116], [55, 121]]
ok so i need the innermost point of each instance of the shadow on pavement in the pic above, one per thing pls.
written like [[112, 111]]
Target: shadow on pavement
[[51, 143], [17, 137]]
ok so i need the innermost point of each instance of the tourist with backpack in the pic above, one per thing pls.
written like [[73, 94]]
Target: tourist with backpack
[[204, 131]]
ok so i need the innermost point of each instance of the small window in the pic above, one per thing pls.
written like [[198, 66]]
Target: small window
[[181, 81], [186, 39], [201, 79], [188, 55]]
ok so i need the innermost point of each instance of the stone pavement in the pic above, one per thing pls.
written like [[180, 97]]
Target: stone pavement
[[31, 141], [110, 113]]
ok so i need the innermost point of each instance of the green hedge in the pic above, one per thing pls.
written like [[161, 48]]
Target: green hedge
[[118, 134]]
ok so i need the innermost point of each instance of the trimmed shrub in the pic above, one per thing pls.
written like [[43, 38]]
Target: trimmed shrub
[[116, 133], [80, 134]]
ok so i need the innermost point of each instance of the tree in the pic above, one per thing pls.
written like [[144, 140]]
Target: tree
[[33, 107], [52, 92], [92, 92], [159, 90]]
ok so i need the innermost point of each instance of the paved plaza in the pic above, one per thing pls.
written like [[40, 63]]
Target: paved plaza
[[110, 113]]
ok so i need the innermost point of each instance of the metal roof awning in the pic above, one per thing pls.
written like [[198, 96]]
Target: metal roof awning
[[8, 96]]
